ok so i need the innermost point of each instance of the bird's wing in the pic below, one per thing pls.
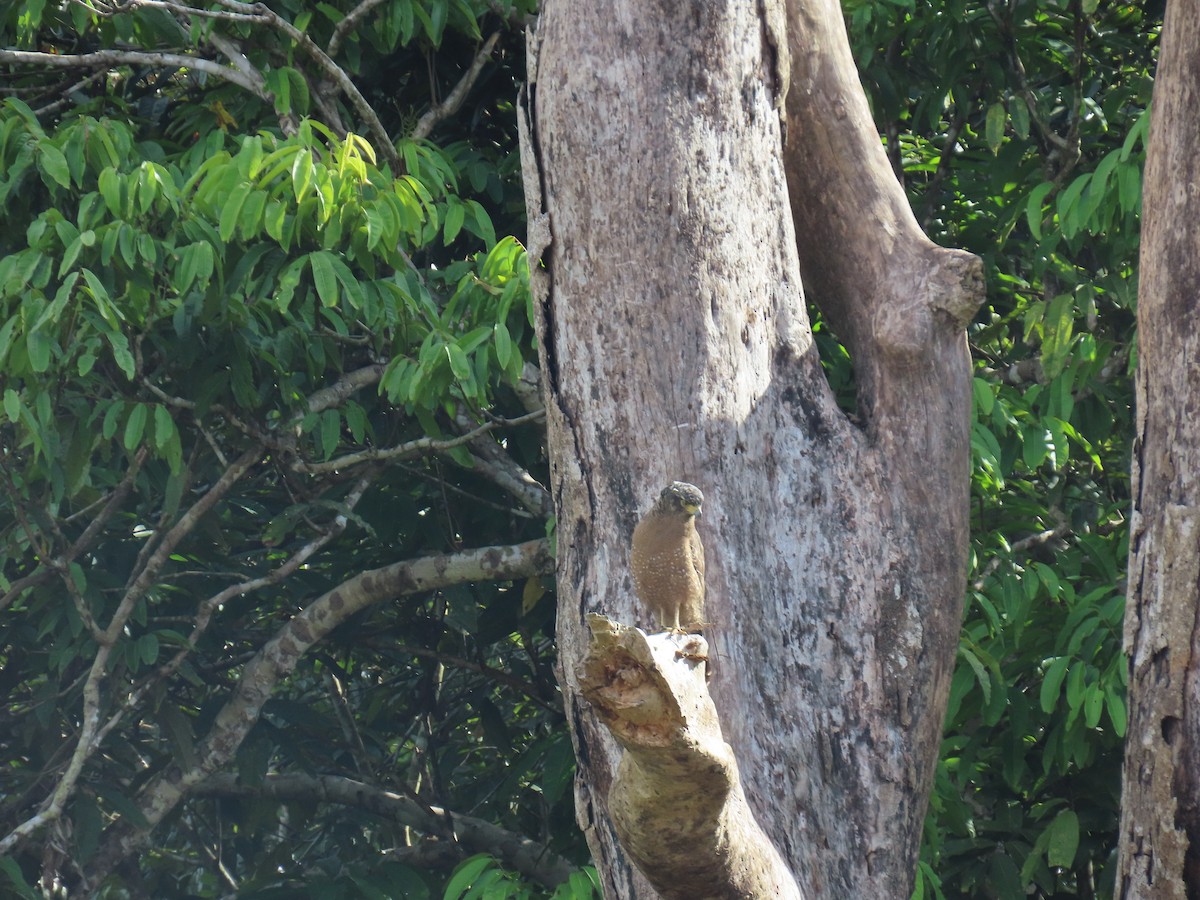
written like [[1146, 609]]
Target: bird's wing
[[696, 551]]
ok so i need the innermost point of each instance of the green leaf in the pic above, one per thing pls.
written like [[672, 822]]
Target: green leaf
[[231, 209], [111, 416], [1063, 840], [54, 164], [1116, 711], [481, 223], [459, 364], [504, 345], [38, 345], [1019, 114], [1035, 445], [12, 405], [985, 400], [16, 879], [1033, 208], [302, 174], [1068, 221], [251, 217], [993, 129], [1052, 683], [135, 425], [455, 215], [6, 333], [147, 649], [465, 875], [164, 426], [331, 431], [1058, 326], [110, 189], [121, 353], [1093, 705], [324, 277]]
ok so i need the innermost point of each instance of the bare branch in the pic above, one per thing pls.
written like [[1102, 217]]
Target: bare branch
[[494, 463], [1033, 540], [205, 612], [334, 394], [333, 70], [110, 58], [65, 93], [233, 52], [185, 10], [349, 23], [279, 656], [87, 538], [145, 579], [410, 448], [455, 99]]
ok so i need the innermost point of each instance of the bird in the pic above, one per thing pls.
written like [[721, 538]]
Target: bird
[[667, 559]]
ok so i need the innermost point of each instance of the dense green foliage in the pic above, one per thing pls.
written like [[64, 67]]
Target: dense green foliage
[[241, 350], [264, 330], [1019, 130]]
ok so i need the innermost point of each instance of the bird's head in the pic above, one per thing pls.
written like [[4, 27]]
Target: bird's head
[[681, 497]]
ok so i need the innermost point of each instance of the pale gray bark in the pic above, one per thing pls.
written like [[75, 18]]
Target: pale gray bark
[[674, 229], [1159, 849]]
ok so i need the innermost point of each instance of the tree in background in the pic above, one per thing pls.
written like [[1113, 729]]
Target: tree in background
[[274, 608], [1017, 130], [1160, 797]]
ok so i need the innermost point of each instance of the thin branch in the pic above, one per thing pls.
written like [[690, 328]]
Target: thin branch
[[473, 835], [209, 606], [233, 52], [109, 58], [52, 809], [333, 70], [279, 656], [499, 675], [107, 639], [497, 466], [409, 449], [87, 538], [349, 23], [185, 10], [333, 395], [65, 93], [1020, 546], [186, 523], [455, 99], [454, 489]]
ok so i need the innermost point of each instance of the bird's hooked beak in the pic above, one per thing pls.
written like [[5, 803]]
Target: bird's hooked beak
[[692, 509]]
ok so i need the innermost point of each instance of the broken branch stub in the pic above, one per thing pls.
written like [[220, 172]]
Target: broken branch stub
[[676, 800]]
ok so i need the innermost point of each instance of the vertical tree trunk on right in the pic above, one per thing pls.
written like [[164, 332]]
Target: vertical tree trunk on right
[[1159, 852]]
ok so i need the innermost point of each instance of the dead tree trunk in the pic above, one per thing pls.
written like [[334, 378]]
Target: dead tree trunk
[[674, 225], [1159, 850]]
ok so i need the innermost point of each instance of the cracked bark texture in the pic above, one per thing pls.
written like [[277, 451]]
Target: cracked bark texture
[[674, 227], [1159, 844]]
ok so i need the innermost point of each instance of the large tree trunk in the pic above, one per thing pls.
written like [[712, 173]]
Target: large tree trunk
[[676, 345], [1159, 851]]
